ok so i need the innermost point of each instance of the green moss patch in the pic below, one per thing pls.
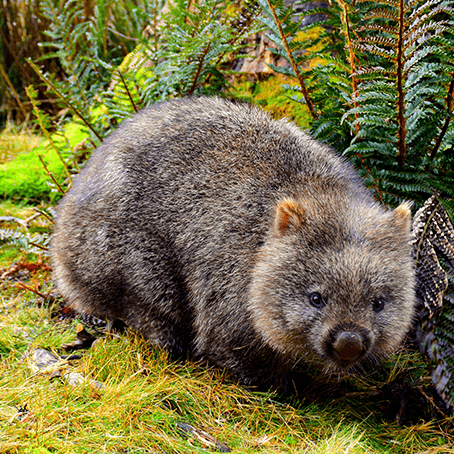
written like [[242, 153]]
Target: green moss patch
[[24, 177]]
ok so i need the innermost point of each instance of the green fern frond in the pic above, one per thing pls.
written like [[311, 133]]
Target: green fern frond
[[282, 30], [383, 110], [36, 244], [416, 13], [369, 118], [422, 26], [374, 71], [383, 91], [366, 47], [381, 14], [368, 148], [283, 70], [377, 27], [384, 3], [378, 40]]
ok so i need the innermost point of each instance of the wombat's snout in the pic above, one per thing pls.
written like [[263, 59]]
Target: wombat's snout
[[347, 346]]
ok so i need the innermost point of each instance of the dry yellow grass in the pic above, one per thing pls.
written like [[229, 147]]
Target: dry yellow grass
[[14, 142]]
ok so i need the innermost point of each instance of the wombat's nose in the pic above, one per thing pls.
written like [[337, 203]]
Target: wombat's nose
[[348, 345]]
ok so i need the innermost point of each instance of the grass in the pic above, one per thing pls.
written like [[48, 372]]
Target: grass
[[14, 141], [150, 404]]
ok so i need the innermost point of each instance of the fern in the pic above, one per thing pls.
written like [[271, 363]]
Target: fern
[[197, 41], [90, 46], [384, 97], [403, 38], [36, 244], [184, 52], [282, 31]]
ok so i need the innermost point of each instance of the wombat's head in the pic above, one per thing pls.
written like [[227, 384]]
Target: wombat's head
[[334, 278]]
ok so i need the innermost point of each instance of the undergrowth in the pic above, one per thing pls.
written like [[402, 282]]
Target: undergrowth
[[383, 97], [33, 167], [15, 141]]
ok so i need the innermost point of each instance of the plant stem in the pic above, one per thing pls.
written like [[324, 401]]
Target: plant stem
[[352, 58], [127, 91], [30, 289], [292, 62], [50, 174], [199, 68], [401, 145]]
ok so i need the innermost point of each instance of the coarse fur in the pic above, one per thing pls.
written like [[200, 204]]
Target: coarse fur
[[218, 232]]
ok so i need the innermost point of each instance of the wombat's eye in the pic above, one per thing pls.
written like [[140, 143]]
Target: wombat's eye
[[378, 305], [316, 300]]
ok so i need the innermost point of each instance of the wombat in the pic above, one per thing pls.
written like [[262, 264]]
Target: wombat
[[217, 232]]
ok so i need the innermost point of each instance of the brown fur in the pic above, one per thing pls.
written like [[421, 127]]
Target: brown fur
[[217, 232]]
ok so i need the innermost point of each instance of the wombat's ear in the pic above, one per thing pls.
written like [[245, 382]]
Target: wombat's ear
[[402, 216], [289, 216]]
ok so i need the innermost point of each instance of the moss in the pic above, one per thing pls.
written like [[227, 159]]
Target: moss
[[24, 176], [270, 96]]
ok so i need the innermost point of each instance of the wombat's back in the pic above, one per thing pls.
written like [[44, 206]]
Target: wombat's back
[[167, 225], [201, 175]]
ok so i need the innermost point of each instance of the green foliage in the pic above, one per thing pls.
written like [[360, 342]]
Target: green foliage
[[23, 241], [268, 94], [26, 178], [196, 42], [384, 98], [88, 48], [191, 46], [180, 53], [282, 31], [24, 233]]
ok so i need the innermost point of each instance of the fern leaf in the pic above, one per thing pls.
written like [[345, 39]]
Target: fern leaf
[[385, 3], [389, 54], [381, 13]]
